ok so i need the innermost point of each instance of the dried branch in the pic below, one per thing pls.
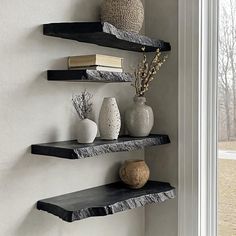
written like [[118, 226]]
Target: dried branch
[[82, 104], [145, 72]]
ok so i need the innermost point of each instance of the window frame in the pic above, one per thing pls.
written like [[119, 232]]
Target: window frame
[[198, 44]]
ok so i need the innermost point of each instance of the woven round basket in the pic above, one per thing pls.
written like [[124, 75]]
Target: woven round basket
[[127, 15]]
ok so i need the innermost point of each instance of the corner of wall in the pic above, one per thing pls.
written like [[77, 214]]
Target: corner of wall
[[161, 22]]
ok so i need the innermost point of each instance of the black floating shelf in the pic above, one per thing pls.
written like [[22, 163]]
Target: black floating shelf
[[74, 150], [104, 34], [88, 76], [105, 200]]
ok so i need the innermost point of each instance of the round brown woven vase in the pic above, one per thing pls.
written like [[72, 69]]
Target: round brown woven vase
[[127, 15], [134, 173]]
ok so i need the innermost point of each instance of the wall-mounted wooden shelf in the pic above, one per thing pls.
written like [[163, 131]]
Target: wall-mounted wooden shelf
[[74, 150], [104, 34], [105, 200], [88, 76]]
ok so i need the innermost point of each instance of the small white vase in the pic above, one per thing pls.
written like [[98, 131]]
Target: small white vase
[[139, 118], [86, 131], [109, 119]]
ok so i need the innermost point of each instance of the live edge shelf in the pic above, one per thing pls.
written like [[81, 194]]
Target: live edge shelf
[[88, 76], [73, 150], [104, 34], [105, 200]]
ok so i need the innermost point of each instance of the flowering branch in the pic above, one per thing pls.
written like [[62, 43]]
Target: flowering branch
[[145, 72]]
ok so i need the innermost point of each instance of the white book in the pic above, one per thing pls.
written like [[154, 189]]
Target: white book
[[99, 68]]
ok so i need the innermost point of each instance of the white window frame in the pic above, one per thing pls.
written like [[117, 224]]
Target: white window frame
[[197, 117]]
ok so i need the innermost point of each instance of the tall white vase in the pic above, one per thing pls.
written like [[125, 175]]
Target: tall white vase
[[109, 119]]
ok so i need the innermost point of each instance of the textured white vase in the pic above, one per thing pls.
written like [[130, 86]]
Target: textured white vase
[[109, 119], [86, 131], [139, 118]]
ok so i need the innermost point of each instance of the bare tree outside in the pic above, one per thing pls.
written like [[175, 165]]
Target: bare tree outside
[[227, 119], [227, 70]]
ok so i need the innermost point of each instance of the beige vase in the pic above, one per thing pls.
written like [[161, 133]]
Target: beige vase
[[139, 118], [134, 173], [127, 15]]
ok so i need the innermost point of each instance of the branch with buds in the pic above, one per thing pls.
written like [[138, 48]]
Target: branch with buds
[[82, 104], [145, 72]]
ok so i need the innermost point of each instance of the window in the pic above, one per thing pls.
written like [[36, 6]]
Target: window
[[227, 119]]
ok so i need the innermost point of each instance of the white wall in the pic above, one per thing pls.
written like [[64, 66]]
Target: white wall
[[162, 22], [34, 110]]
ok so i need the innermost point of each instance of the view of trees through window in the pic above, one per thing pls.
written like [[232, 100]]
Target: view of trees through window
[[227, 119]]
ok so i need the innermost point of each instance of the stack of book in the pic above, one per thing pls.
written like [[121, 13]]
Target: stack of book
[[96, 62]]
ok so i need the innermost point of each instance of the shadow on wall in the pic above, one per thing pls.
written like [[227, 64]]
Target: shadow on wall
[[90, 12], [40, 222], [17, 192]]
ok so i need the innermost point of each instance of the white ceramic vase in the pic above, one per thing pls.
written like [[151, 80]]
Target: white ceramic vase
[[139, 118], [86, 131], [109, 119]]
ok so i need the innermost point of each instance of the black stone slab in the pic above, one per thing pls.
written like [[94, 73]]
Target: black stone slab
[[104, 34], [105, 200], [88, 76], [74, 150]]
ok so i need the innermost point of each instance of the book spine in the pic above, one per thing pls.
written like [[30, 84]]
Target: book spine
[[68, 63], [74, 62]]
